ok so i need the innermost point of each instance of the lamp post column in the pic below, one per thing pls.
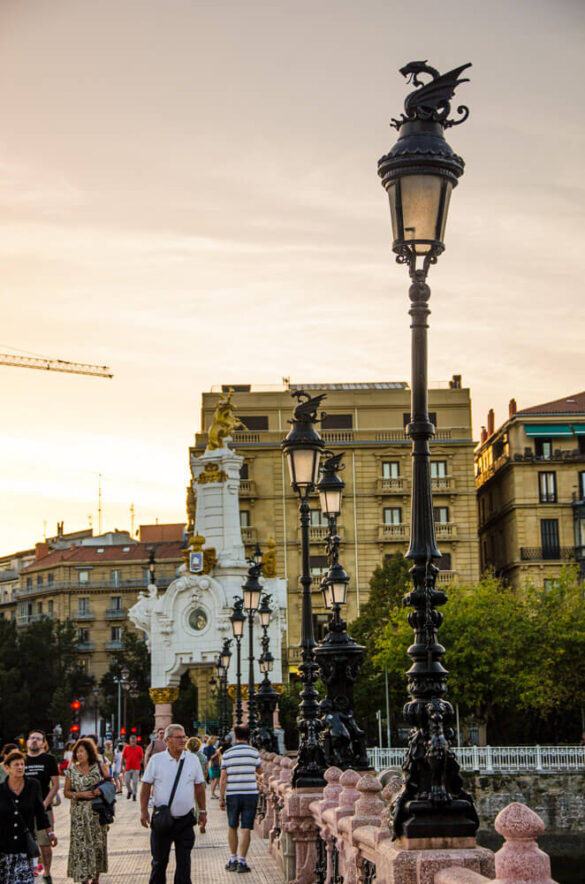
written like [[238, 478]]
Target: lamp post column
[[251, 699], [239, 713]]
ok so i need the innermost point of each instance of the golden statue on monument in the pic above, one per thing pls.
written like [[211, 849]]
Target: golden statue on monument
[[224, 422]]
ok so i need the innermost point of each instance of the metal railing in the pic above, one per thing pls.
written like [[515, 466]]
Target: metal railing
[[105, 583], [552, 554], [273, 438], [497, 759]]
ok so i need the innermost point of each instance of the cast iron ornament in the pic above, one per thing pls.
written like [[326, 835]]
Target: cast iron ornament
[[431, 100]]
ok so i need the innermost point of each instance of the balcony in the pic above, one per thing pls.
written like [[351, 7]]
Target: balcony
[[444, 578], [113, 645], [248, 534], [396, 485], [381, 437], [83, 615], [393, 533], [549, 554], [85, 646], [442, 484], [294, 655], [115, 613], [445, 530], [106, 583], [247, 488]]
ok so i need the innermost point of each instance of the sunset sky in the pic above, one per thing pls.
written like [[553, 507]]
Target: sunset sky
[[188, 194]]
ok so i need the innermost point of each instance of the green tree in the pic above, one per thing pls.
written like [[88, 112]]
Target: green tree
[[135, 657]]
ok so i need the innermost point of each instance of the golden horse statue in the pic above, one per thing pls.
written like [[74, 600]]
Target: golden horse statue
[[224, 423]]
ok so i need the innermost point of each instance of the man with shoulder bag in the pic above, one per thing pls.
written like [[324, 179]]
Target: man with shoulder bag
[[176, 778]]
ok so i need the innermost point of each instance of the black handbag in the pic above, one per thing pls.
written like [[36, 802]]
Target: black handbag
[[162, 819]]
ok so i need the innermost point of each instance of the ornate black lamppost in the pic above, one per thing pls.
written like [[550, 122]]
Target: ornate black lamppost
[[266, 696], [303, 447], [224, 663], [238, 619], [338, 656], [252, 590], [419, 174]]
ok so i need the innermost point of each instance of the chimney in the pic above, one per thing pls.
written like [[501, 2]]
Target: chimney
[[455, 382], [484, 435], [512, 408], [41, 549], [490, 422]]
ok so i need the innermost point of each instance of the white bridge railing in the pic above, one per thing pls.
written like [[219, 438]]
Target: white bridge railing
[[497, 759]]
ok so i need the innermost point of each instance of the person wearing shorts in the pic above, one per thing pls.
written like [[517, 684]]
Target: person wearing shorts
[[238, 794]]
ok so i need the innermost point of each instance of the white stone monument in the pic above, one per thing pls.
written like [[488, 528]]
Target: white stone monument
[[186, 625]]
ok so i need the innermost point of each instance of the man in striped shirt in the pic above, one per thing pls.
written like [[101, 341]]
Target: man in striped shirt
[[238, 791]]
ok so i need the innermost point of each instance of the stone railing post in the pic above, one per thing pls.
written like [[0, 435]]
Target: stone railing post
[[520, 859]]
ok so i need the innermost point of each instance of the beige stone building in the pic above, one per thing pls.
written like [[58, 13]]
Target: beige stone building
[[367, 422], [93, 581], [530, 478]]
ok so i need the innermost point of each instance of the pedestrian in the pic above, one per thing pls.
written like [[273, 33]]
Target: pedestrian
[[179, 771], [238, 793], [21, 810], [214, 766], [109, 755], [208, 750], [66, 760], [6, 749], [131, 765], [44, 768], [117, 772], [193, 745], [156, 745], [88, 846]]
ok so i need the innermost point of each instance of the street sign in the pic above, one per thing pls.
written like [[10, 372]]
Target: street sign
[[196, 562]]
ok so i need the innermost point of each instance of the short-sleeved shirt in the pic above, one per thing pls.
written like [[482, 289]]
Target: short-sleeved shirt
[[161, 771], [240, 763], [42, 767], [132, 756]]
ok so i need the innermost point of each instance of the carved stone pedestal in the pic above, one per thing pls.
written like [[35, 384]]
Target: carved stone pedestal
[[420, 866], [298, 822]]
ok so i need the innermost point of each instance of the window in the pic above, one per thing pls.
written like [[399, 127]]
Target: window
[[318, 520], [116, 602], [29, 582], [547, 487], [50, 579], [581, 491], [441, 515], [549, 536], [444, 563], [543, 448], [254, 422], [116, 633], [50, 606], [337, 422], [83, 606], [244, 518], [320, 626], [319, 566], [83, 576], [406, 418], [83, 636], [39, 607], [392, 515], [244, 471], [438, 469], [482, 508], [390, 469], [116, 577], [40, 580]]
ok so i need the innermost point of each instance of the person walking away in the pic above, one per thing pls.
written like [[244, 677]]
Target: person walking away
[[117, 772], [238, 793], [161, 774], [131, 764], [193, 745], [21, 809], [88, 846], [109, 755], [42, 766], [215, 769], [156, 745]]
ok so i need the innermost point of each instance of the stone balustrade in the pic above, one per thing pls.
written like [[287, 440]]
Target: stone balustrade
[[342, 833]]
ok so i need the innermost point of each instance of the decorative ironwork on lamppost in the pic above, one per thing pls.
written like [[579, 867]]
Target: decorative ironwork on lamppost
[[303, 447], [339, 656], [238, 619], [266, 696], [252, 590], [224, 665], [419, 175]]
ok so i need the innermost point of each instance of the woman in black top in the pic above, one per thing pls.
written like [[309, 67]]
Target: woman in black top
[[20, 806]]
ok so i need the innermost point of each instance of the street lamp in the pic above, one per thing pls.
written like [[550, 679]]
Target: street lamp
[[419, 174], [338, 656], [121, 680], [252, 590], [266, 697], [151, 566], [303, 447], [238, 619], [224, 665], [95, 691]]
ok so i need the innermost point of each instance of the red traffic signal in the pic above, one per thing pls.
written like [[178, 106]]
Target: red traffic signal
[[76, 704], [132, 730], [123, 731], [74, 728], [138, 739]]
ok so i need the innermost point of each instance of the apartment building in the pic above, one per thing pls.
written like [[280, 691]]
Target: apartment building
[[366, 421], [530, 479]]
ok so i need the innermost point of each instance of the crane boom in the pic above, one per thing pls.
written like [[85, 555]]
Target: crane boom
[[100, 371]]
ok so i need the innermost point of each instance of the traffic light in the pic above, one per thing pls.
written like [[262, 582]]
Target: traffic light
[[75, 716], [122, 731]]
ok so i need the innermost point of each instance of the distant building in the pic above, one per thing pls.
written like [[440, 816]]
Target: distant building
[[530, 479], [92, 581], [367, 421]]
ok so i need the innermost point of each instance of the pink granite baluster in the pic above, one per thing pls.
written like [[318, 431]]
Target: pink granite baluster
[[520, 859]]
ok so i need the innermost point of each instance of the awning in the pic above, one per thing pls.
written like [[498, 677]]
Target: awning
[[579, 429], [548, 431]]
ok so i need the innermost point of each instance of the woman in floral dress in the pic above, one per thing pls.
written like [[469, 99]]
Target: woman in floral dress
[[88, 849]]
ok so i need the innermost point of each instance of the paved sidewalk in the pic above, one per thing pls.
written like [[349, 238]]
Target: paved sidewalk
[[129, 850]]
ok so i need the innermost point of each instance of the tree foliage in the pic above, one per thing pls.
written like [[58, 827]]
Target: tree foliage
[[135, 657]]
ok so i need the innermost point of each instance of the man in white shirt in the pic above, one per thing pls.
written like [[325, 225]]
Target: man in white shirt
[[160, 775]]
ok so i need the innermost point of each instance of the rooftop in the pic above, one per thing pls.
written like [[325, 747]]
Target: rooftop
[[574, 404], [135, 552]]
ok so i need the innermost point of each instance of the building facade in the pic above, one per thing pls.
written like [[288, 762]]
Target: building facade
[[367, 422], [530, 479], [93, 581]]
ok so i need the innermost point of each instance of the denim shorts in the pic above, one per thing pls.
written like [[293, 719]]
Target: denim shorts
[[241, 810]]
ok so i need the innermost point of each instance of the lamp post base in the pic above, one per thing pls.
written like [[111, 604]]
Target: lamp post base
[[423, 820]]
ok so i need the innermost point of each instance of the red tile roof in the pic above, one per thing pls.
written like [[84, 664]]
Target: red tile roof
[[574, 404], [135, 552]]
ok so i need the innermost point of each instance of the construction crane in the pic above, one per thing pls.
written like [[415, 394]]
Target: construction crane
[[42, 364]]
